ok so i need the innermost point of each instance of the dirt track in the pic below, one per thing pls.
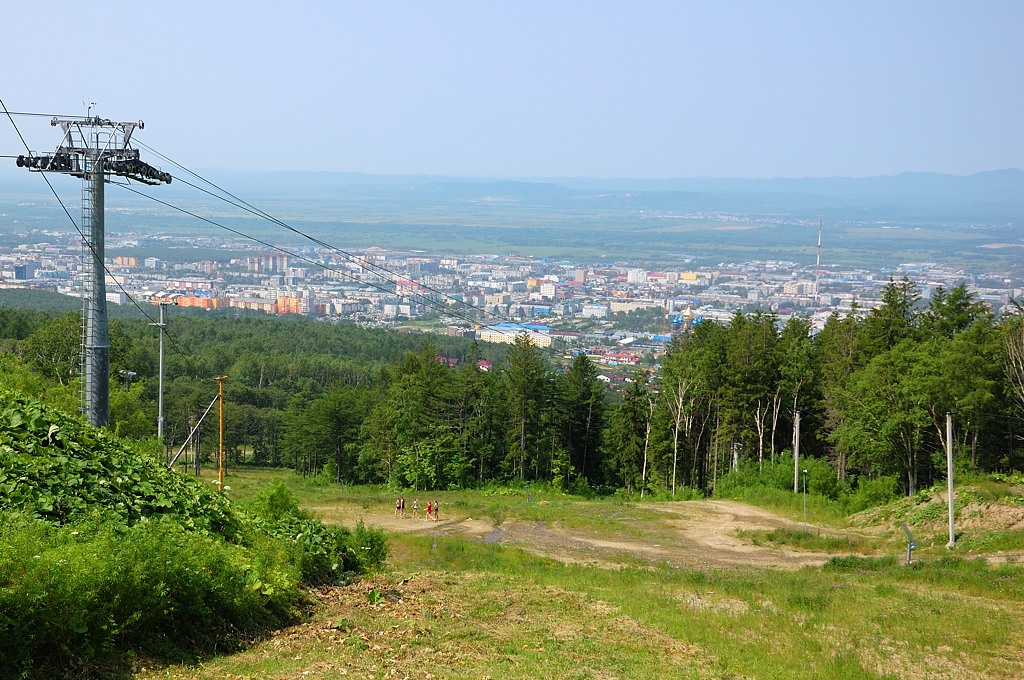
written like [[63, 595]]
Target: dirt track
[[687, 533]]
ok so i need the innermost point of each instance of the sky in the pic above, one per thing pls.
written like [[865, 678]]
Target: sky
[[531, 89]]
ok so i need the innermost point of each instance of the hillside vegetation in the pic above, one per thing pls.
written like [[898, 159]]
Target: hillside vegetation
[[107, 556], [110, 562], [870, 393]]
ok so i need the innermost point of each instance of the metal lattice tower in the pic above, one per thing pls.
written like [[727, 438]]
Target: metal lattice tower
[[93, 149]]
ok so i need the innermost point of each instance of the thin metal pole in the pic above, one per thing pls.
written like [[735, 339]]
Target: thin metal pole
[[161, 324], [220, 449], [949, 476], [796, 452], [192, 432]]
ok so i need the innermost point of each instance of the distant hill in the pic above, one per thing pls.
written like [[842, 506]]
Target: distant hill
[[870, 221], [996, 195]]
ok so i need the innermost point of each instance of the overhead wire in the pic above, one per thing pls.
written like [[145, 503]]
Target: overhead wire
[[44, 115], [375, 268], [226, 196], [298, 256], [392, 277], [78, 229]]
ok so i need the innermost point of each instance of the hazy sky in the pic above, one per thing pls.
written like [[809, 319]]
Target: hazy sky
[[533, 89]]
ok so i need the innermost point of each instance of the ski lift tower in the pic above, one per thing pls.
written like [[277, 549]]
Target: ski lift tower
[[95, 149]]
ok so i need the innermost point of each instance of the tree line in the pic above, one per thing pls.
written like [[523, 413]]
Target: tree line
[[871, 392]]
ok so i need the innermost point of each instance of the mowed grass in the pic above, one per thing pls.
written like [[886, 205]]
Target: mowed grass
[[450, 607]]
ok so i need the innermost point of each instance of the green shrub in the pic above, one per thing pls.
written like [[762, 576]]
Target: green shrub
[[820, 478], [324, 554], [683, 493], [57, 468], [870, 493], [105, 553], [275, 503], [328, 475], [806, 540], [580, 487], [856, 563], [91, 595], [370, 546]]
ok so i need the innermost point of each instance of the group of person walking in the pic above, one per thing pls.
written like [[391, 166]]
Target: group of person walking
[[431, 510]]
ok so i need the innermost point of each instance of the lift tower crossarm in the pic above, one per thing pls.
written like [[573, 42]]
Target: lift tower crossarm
[[116, 142], [92, 140]]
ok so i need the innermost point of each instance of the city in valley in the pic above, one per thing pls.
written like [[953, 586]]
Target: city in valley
[[623, 311], [615, 267]]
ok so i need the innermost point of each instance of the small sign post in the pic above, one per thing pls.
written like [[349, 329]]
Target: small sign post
[[911, 546]]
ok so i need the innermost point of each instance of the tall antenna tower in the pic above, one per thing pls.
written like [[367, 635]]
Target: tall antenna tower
[[817, 266], [95, 149]]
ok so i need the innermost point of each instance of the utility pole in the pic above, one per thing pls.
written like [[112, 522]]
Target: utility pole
[[949, 476], [796, 452], [162, 325], [220, 449], [805, 501], [93, 149]]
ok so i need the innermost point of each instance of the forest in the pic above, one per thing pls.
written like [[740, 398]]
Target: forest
[[870, 392]]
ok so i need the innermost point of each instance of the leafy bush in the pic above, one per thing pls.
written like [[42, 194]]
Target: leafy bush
[[57, 468], [90, 595], [927, 513], [683, 493], [871, 493], [856, 563], [806, 540], [821, 478], [325, 554], [105, 553], [274, 503], [581, 487]]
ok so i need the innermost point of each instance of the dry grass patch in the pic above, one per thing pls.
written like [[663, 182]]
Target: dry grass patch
[[460, 625]]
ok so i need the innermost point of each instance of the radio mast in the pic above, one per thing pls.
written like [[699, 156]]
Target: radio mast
[[94, 149], [817, 266]]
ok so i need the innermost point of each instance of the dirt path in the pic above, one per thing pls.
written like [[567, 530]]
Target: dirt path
[[695, 534]]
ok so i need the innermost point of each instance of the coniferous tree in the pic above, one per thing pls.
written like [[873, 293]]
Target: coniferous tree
[[629, 434], [891, 322], [836, 355], [524, 380], [581, 403]]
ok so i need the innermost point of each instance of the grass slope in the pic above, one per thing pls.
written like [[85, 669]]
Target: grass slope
[[452, 607]]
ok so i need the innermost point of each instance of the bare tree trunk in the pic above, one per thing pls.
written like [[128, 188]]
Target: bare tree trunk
[[702, 472], [522, 448], [676, 405], [776, 407], [759, 417], [647, 443], [718, 424]]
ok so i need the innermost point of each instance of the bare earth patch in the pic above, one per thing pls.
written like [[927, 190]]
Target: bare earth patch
[[692, 534]]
